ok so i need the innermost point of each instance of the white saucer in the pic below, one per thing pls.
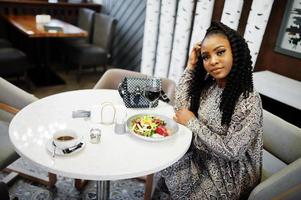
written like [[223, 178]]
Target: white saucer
[[58, 151]]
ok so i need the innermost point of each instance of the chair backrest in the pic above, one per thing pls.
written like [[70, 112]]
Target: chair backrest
[[17, 98], [85, 21], [112, 77], [13, 62], [14, 96], [283, 141], [281, 138], [4, 43], [7, 152], [103, 33]]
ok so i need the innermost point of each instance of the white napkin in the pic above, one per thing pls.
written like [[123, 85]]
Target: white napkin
[[43, 19]]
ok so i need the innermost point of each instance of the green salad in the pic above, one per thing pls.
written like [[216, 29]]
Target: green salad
[[149, 126]]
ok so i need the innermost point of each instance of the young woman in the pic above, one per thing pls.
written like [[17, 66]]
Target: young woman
[[216, 100]]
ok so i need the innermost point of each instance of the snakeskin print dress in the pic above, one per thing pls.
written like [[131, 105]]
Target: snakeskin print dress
[[224, 162]]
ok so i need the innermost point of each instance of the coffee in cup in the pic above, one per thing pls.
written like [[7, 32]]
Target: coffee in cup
[[65, 138]]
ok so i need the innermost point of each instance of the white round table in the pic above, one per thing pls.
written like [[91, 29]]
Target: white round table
[[116, 156]]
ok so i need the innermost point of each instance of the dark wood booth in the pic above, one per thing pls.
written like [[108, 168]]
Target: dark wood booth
[[61, 10], [43, 48]]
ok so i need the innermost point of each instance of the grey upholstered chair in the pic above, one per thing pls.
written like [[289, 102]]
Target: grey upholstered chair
[[4, 43], [99, 51], [13, 62], [7, 152], [85, 22], [281, 171], [111, 79], [12, 99]]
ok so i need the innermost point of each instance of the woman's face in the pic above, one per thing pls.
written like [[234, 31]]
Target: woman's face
[[217, 57]]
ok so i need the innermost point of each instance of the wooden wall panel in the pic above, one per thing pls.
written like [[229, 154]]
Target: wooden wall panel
[[218, 10]]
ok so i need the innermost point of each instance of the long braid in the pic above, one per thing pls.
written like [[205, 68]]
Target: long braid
[[239, 80], [196, 87]]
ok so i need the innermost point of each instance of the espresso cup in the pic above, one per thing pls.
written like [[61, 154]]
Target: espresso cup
[[65, 138]]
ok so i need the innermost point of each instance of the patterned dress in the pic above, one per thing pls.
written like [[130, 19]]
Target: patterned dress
[[224, 162]]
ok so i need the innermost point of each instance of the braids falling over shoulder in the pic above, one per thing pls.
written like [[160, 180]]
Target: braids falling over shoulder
[[239, 80]]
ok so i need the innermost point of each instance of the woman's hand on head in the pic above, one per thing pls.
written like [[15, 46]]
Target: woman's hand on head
[[182, 116], [194, 55]]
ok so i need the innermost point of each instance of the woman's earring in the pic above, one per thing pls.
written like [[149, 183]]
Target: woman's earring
[[207, 75]]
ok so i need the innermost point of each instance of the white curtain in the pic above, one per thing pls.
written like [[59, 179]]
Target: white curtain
[[181, 39], [231, 13], [202, 20], [257, 22], [173, 26], [150, 36], [166, 33]]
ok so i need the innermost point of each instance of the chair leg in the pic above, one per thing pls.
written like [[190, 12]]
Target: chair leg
[[52, 179], [10, 178], [4, 191], [148, 187], [80, 184], [48, 181]]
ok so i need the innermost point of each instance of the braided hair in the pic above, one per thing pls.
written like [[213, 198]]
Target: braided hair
[[239, 80]]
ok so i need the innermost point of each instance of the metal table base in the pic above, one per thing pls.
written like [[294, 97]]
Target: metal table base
[[102, 190]]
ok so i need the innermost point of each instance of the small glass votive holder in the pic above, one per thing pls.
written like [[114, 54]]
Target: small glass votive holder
[[120, 127], [120, 120], [95, 135]]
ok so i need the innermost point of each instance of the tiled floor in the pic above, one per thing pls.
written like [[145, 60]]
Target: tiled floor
[[88, 80]]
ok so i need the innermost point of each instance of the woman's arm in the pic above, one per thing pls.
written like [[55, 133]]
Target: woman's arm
[[245, 126]]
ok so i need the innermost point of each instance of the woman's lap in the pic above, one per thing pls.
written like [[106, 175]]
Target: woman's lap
[[181, 179]]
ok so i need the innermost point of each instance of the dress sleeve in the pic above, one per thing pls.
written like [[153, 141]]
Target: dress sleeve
[[182, 98], [244, 128]]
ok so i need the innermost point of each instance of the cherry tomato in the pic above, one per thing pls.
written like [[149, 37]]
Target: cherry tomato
[[161, 130]]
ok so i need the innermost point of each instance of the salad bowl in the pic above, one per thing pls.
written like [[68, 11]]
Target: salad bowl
[[152, 127]]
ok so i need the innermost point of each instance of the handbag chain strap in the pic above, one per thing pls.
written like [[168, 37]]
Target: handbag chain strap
[[122, 88], [164, 97]]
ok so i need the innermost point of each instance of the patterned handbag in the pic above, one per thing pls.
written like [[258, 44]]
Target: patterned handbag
[[131, 90]]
